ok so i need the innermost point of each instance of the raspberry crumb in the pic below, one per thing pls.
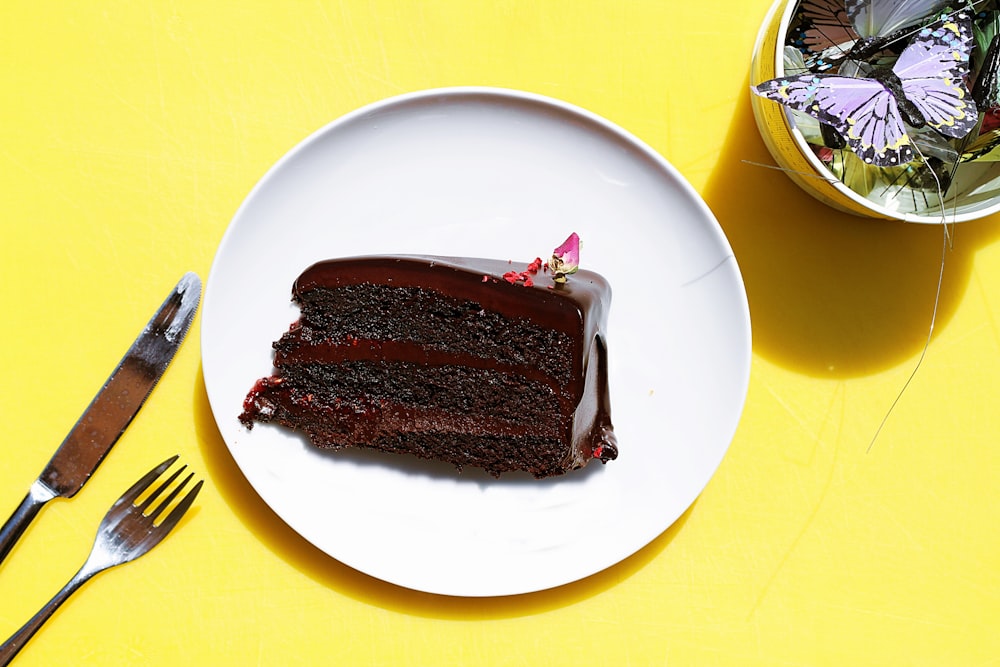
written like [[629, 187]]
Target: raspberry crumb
[[525, 277]]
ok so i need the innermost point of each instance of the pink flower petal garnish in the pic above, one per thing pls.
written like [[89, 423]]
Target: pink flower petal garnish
[[565, 259]]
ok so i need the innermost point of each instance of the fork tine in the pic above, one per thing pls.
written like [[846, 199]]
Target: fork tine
[[182, 507], [170, 497], [158, 490], [136, 489]]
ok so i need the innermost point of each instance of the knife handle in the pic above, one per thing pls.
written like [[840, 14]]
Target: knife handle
[[38, 495]]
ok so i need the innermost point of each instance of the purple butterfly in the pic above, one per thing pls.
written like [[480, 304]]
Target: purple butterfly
[[925, 86], [830, 30]]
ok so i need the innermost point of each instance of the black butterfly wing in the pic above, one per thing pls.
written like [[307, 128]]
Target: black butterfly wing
[[986, 91], [824, 32]]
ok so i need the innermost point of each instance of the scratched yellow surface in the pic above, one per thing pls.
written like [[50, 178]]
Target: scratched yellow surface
[[130, 132]]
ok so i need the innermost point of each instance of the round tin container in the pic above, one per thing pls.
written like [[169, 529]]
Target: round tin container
[[973, 190]]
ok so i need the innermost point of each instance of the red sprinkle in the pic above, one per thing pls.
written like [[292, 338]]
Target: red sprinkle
[[523, 277]]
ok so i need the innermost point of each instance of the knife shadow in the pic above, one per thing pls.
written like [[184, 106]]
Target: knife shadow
[[301, 554]]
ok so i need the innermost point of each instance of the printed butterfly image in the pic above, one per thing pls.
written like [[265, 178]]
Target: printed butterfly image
[[925, 86]]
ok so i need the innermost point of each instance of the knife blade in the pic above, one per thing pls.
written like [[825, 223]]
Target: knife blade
[[111, 410]]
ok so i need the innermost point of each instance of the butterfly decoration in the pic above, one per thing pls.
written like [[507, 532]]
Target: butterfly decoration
[[828, 31], [985, 148], [986, 93], [899, 100], [925, 86], [986, 31]]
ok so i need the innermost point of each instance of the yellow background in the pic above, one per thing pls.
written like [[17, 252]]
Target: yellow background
[[131, 131]]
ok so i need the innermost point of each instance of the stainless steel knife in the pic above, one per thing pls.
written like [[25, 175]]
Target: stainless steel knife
[[111, 411]]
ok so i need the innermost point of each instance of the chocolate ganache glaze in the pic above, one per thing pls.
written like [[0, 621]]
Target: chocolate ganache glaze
[[458, 359]]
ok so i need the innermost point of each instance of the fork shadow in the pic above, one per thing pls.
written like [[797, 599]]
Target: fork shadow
[[294, 549], [832, 294]]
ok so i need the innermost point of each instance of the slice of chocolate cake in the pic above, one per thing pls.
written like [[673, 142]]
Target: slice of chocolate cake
[[460, 360]]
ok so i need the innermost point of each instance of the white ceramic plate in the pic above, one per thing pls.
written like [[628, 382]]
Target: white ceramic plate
[[504, 174]]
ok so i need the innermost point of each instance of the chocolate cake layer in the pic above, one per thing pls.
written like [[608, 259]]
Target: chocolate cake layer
[[438, 323], [463, 390], [445, 358]]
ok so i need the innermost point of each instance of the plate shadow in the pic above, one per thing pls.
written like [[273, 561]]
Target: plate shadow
[[301, 554], [832, 294]]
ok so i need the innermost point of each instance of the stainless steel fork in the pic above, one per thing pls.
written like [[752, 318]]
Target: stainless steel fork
[[128, 531]]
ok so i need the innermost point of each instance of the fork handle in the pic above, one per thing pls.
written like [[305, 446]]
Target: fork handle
[[38, 495], [16, 642]]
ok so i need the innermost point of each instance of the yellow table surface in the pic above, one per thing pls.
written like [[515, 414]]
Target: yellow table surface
[[130, 132]]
